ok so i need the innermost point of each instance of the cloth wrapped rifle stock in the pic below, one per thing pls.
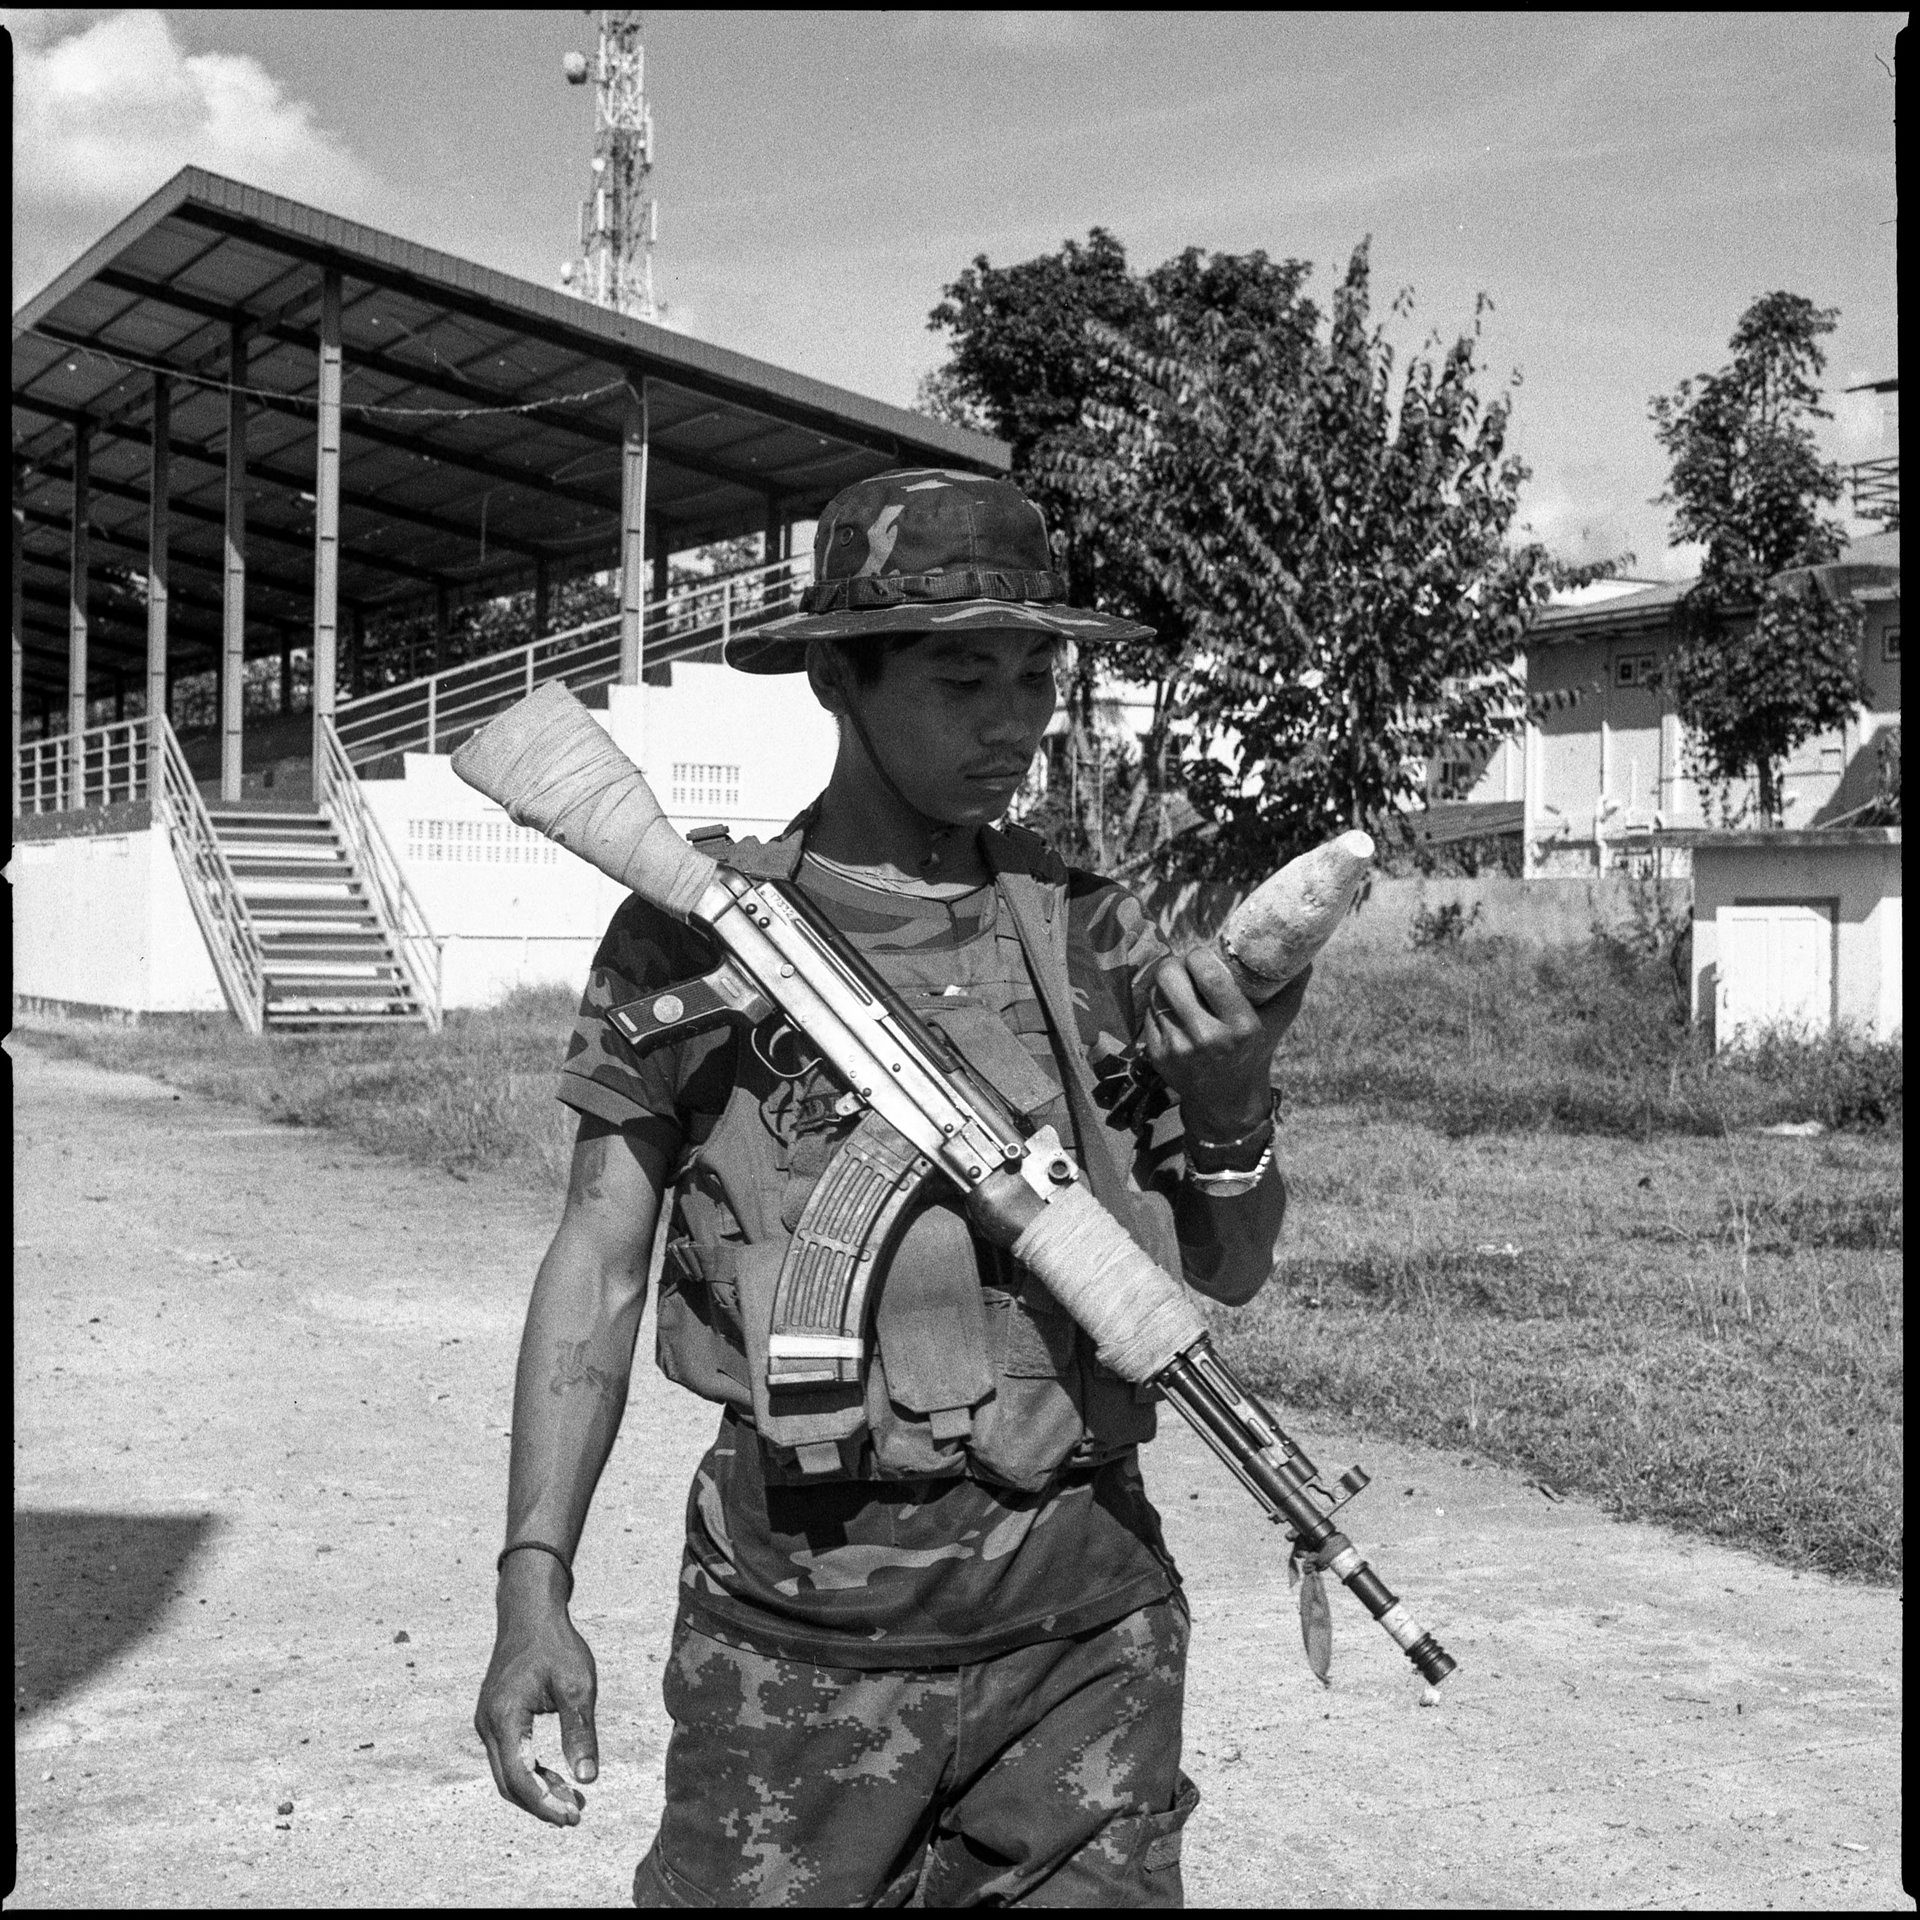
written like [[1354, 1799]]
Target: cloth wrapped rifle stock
[[553, 767], [1139, 1318]]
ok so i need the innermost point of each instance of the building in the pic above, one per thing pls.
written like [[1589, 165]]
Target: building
[[242, 428], [1796, 931], [1602, 766]]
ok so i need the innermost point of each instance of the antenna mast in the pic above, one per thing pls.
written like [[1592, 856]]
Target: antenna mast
[[618, 217]]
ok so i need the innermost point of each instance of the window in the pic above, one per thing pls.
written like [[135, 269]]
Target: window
[[489, 842], [697, 784], [1633, 670], [1890, 646]]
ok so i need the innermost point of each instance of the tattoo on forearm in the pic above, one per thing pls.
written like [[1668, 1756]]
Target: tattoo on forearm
[[589, 1165], [571, 1369]]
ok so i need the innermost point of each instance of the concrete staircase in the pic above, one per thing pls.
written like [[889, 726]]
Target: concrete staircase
[[326, 957]]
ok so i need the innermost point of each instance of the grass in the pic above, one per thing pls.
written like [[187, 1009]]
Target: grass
[[1531, 1219], [1490, 1037], [477, 1095], [1706, 1332]]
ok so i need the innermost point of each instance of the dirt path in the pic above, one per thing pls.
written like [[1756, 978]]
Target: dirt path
[[261, 1395]]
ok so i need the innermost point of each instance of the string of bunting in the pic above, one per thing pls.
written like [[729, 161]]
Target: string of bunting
[[131, 363]]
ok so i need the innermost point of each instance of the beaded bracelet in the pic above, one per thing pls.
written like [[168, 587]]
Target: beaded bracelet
[[1268, 1123]]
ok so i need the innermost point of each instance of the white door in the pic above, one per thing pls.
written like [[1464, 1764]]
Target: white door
[[1776, 970]]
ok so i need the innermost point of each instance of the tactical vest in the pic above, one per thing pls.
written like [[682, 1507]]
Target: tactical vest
[[972, 1367]]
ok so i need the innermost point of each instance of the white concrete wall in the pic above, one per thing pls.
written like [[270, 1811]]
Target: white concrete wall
[[104, 921], [1862, 878], [768, 725], [513, 909]]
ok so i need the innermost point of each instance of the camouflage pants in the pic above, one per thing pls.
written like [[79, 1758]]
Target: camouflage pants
[[1049, 1777]]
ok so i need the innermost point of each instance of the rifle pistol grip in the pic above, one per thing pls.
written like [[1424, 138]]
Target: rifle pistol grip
[[723, 998]]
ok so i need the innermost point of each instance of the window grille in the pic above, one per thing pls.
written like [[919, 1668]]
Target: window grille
[[479, 842], [698, 784]]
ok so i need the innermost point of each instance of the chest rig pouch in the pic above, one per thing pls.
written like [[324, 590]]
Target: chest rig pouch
[[971, 1366]]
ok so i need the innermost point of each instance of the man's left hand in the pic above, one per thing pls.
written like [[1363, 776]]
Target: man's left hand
[[1212, 1046]]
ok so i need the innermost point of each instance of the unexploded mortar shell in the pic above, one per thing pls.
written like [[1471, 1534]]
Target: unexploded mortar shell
[[1278, 928]]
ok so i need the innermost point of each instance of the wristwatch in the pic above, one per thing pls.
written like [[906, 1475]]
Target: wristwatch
[[1229, 1185]]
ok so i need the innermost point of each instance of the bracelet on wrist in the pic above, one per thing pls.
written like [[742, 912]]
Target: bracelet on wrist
[[1230, 1183], [536, 1546], [1262, 1132]]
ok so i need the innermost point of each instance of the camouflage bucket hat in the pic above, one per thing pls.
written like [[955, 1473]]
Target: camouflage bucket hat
[[926, 550]]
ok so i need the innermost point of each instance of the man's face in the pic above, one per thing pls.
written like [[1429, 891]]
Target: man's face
[[957, 719]]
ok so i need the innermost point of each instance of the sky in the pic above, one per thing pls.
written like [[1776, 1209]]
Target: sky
[[1622, 186]]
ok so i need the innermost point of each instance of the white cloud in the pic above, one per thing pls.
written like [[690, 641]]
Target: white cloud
[[108, 107], [1587, 512]]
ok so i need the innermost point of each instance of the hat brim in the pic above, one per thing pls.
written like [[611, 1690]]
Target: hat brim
[[781, 645]]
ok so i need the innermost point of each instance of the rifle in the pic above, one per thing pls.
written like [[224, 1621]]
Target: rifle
[[924, 1115]]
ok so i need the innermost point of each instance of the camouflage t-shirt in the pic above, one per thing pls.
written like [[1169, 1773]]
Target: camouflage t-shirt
[[898, 1573]]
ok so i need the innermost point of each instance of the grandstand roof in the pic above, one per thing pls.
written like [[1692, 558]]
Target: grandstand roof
[[482, 425]]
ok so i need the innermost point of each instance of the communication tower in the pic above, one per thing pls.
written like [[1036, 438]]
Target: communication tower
[[618, 217]]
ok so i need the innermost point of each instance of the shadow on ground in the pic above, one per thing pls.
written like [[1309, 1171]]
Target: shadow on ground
[[86, 1586]]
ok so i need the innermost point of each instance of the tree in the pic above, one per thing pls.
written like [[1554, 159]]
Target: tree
[[1334, 542], [1763, 664], [1021, 364], [1321, 548], [1029, 361]]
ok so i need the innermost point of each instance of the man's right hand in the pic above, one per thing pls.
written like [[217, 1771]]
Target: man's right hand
[[540, 1664], [570, 1387]]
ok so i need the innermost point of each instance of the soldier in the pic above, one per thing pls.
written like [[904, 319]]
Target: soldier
[[937, 1657]]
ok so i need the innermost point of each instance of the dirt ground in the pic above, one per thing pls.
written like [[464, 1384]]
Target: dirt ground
[[261, 1397]]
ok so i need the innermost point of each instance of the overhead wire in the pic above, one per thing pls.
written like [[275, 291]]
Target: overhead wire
[[131, 363]]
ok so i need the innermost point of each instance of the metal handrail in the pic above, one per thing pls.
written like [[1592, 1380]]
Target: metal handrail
[[113, 767], [426, 715], [214, 894], [1876, 489], [337, 793], [434, 712]]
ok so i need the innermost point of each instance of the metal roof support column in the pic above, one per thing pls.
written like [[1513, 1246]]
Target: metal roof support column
[[633, 532], [159, 487], [19, 644], [326, 521], [233, 648], [774, 546], [542, 597], [77, 621], [662, 574], [442, 623]]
